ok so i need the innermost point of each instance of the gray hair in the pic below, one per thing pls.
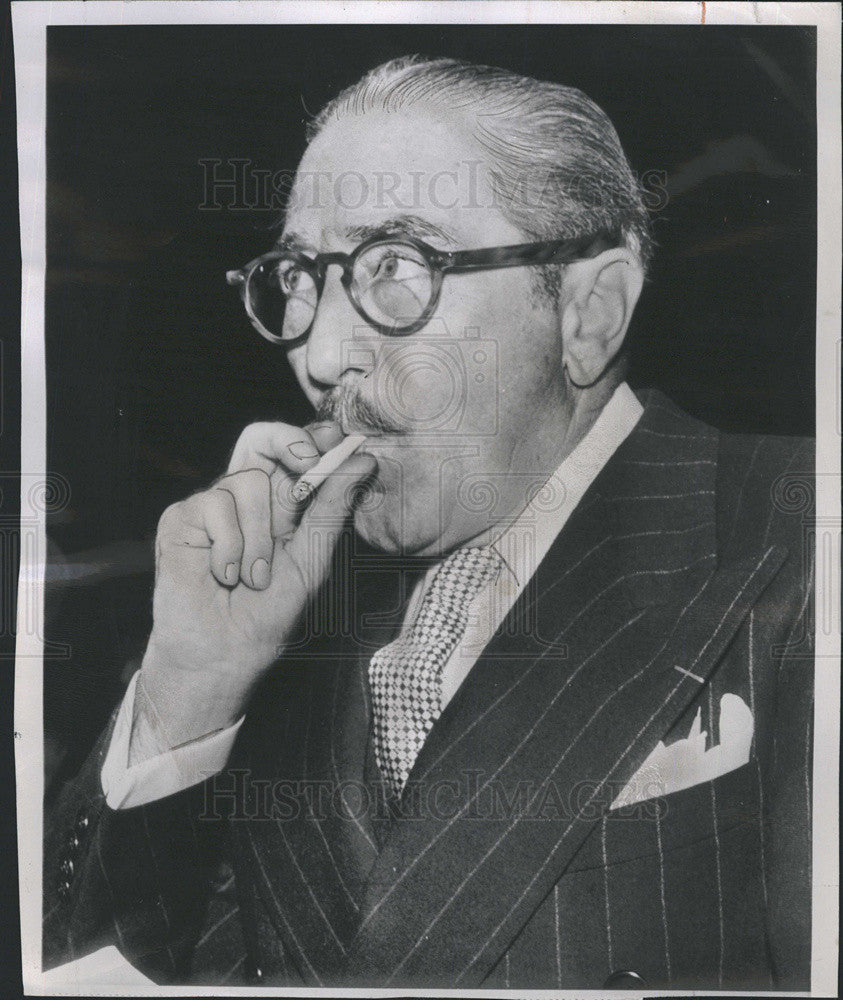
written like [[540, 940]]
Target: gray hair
[[555, 159]]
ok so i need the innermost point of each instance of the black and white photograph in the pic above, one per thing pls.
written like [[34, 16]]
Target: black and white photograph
[[430, 522]]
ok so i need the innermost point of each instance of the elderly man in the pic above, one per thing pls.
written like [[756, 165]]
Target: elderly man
[[505, 699]]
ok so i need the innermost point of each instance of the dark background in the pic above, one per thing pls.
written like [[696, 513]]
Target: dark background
[[153, 369]]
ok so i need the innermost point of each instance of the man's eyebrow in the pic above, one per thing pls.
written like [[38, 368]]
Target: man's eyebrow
[[293, 241], [402, 225]]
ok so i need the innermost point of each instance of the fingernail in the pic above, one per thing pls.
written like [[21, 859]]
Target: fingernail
[[231, 573], [303, 449], [260, 573]]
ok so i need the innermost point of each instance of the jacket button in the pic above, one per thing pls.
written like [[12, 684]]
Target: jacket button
[[64, 889], [83, 821], [66, 867], [73, 844], [624, 979]]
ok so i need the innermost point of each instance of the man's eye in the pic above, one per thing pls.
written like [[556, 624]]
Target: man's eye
[[289, 279], [394, 268]]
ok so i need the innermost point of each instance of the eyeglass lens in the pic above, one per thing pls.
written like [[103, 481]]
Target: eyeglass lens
[[393, 284]]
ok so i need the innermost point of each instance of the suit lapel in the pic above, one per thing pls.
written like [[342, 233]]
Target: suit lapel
[[311, 856], [622, 623], [310, 847]]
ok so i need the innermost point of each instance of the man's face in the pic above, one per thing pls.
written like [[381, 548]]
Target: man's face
[[475, 395]]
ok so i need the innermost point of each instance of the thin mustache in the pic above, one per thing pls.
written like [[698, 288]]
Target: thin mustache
[[344, 405]]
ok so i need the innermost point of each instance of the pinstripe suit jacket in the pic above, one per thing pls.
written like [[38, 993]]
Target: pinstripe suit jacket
[[680, 577]]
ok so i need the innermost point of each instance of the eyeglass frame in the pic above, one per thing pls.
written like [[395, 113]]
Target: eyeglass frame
[[441, 262]]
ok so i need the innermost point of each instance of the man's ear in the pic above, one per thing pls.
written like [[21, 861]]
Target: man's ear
[[597, 298]]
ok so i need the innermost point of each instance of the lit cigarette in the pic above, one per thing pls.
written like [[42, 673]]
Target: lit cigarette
[[328, 463]]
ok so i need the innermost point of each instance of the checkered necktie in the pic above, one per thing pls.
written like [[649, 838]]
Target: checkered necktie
[[406, 676]]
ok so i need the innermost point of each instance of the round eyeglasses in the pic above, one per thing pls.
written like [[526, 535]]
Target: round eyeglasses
[[393, 282]]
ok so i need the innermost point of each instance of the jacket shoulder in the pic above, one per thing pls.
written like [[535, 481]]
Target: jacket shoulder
[[765, 454], [765, 489], [762, 485]]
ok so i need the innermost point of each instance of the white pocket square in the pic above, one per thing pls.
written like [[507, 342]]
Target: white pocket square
[[686, 763]]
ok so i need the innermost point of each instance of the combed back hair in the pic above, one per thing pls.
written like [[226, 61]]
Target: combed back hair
[[556, 164]]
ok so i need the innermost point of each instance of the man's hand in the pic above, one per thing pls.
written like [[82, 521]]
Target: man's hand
[[235, 568]]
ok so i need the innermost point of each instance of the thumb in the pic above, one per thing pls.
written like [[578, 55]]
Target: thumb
[[313, 544]]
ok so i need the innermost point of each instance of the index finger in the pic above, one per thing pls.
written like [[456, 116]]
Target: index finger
[[326, 433], [266, 446]]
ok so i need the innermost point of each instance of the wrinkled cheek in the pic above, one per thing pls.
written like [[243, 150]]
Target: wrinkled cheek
[[425, 386], [403, 509], [378, 514]]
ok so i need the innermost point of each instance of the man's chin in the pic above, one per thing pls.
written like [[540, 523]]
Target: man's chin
[[390, 534], [379, 532]]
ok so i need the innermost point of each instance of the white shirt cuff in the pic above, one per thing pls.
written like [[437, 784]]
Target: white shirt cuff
[[165, 774]]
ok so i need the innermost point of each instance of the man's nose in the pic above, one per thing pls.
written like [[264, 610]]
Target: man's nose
[[336, 327]]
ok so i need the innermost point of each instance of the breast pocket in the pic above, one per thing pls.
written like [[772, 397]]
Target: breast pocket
[[678, 884], [671, 822]]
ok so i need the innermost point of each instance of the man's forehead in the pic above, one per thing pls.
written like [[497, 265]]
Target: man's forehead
[[373, 174], [401, 224]]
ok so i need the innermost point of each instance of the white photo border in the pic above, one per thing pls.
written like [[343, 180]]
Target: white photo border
[[30, 21]]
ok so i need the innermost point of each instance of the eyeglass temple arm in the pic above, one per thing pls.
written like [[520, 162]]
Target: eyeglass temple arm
[[516, 255]]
